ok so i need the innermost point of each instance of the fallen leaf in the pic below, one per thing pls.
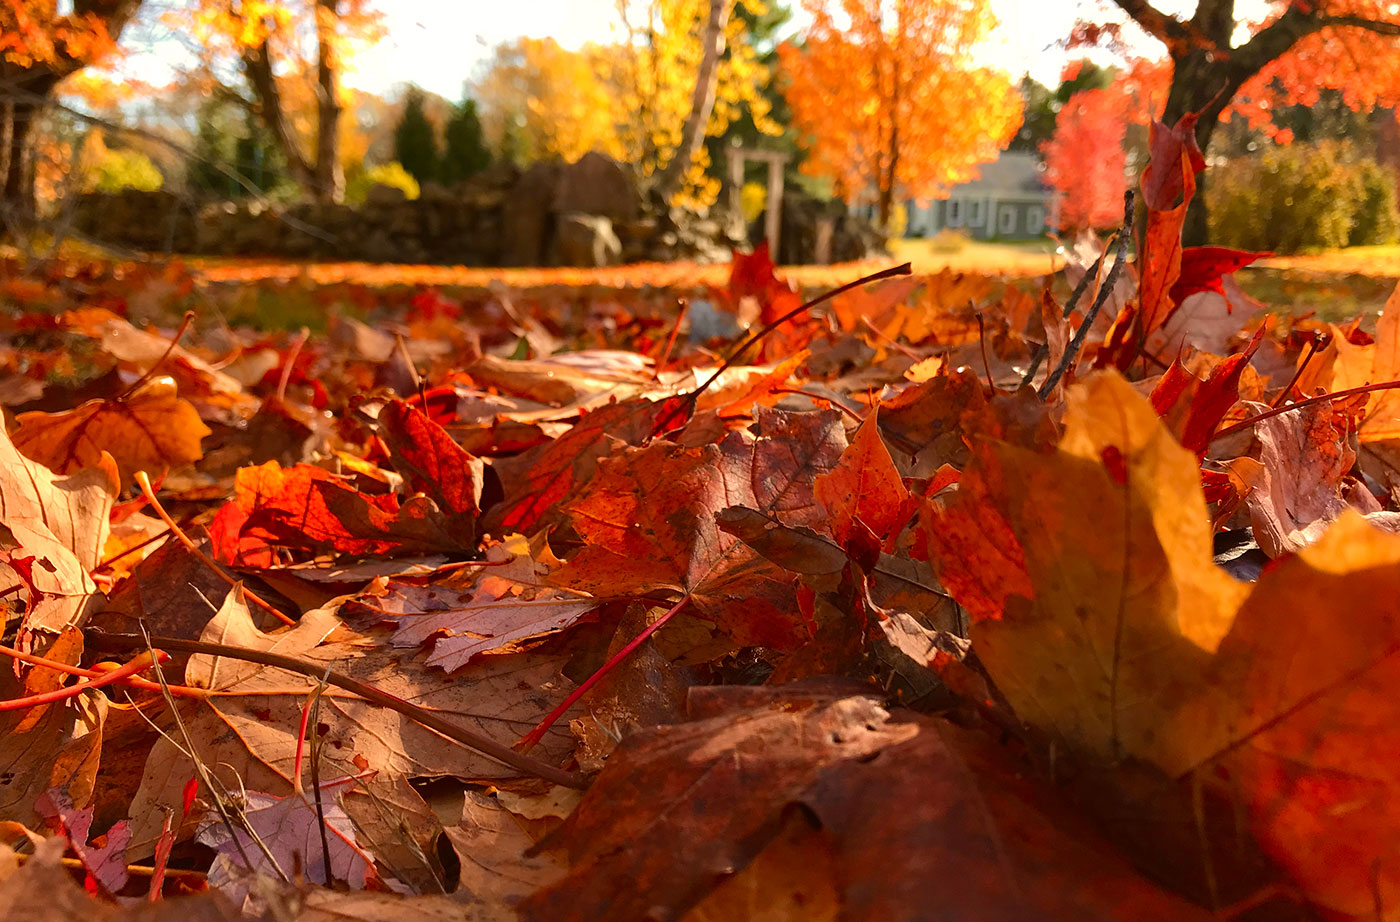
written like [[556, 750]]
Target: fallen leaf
[[648, 520], [151, 430], [283, 837]]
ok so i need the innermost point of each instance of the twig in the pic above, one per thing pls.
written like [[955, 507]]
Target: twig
[[100, 640], [1276, 411], [144, 483], [1313, 345], [671, 340], [1043, 350], [1077, 341], [693, 396], [986, 359]]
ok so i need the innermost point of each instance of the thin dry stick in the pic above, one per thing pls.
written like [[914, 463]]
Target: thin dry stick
[[144, 483], [1077, 341], [1275, 411], [100, 640], [1043, 350], [689, 400], [1313, 345]]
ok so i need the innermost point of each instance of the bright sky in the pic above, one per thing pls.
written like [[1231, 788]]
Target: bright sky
[[440, 45]]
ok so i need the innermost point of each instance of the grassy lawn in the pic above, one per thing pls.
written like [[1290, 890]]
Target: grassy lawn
[[1019, 259]]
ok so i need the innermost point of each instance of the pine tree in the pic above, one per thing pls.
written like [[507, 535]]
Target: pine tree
[[415, 141], [466, 153]]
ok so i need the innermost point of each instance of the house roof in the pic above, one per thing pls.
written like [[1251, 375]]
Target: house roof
[[1013, 173]]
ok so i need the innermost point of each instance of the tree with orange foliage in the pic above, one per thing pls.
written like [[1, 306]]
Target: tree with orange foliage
[[38, 49], [1303, 46], [268, 43], [888, 96]]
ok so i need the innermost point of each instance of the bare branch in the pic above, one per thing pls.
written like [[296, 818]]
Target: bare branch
[[1179, 37]]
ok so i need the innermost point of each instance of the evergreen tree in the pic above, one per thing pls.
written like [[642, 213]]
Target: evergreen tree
[[236, 156], [415, 141], [466, 153]]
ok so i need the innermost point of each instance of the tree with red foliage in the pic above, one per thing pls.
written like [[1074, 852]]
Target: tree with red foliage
[[1085, 161], [1302, 47]]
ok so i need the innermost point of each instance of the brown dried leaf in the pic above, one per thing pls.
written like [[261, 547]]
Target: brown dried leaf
[[152, 430]]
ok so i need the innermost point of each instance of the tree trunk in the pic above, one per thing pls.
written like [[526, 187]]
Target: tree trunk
[[257, 65], [702, 101], [26, 95], [330, 179]]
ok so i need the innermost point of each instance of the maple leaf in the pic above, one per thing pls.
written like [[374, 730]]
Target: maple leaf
[[677, 808], [1304, 455], [49, 746], [105, 864], [1195, 407], [283, 837], [648, 521], [1160, 655], [498, 615], [540, 478], [149, 431], [250, 735], [1203, 269], [307, 507], [435, 464], [864, 489], [1171, 173]]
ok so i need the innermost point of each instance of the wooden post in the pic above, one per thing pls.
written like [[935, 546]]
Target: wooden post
[[773, 220], [736, 179]]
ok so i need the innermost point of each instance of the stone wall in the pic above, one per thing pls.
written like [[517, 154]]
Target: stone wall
[[586, 213]]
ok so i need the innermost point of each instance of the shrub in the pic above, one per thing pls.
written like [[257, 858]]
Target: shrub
[[1377, 219], [1302, 197], [383, 174]]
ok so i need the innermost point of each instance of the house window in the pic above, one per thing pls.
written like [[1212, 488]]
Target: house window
[[1035, 219], [974, 212], [1006, 221], [955, 212]]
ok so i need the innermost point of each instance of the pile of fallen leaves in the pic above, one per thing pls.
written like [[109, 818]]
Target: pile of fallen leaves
[[932, 600]]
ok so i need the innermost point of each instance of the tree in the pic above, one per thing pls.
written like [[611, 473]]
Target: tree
[[290, 55], [653, 79], [542, 101], [465, 153], [1085, 161], [702, 100], [415, 140], [888, 98], [38, 49], [1302, 48]]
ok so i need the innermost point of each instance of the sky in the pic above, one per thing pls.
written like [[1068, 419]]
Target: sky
[[440, 45]]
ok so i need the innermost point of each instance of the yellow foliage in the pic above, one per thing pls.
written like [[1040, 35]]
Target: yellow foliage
[[629, 100], [652, 77], [753, 198], [548, 99]]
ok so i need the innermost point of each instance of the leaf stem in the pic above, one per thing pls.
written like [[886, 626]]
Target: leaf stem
[[528, 741], [141, 663]]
